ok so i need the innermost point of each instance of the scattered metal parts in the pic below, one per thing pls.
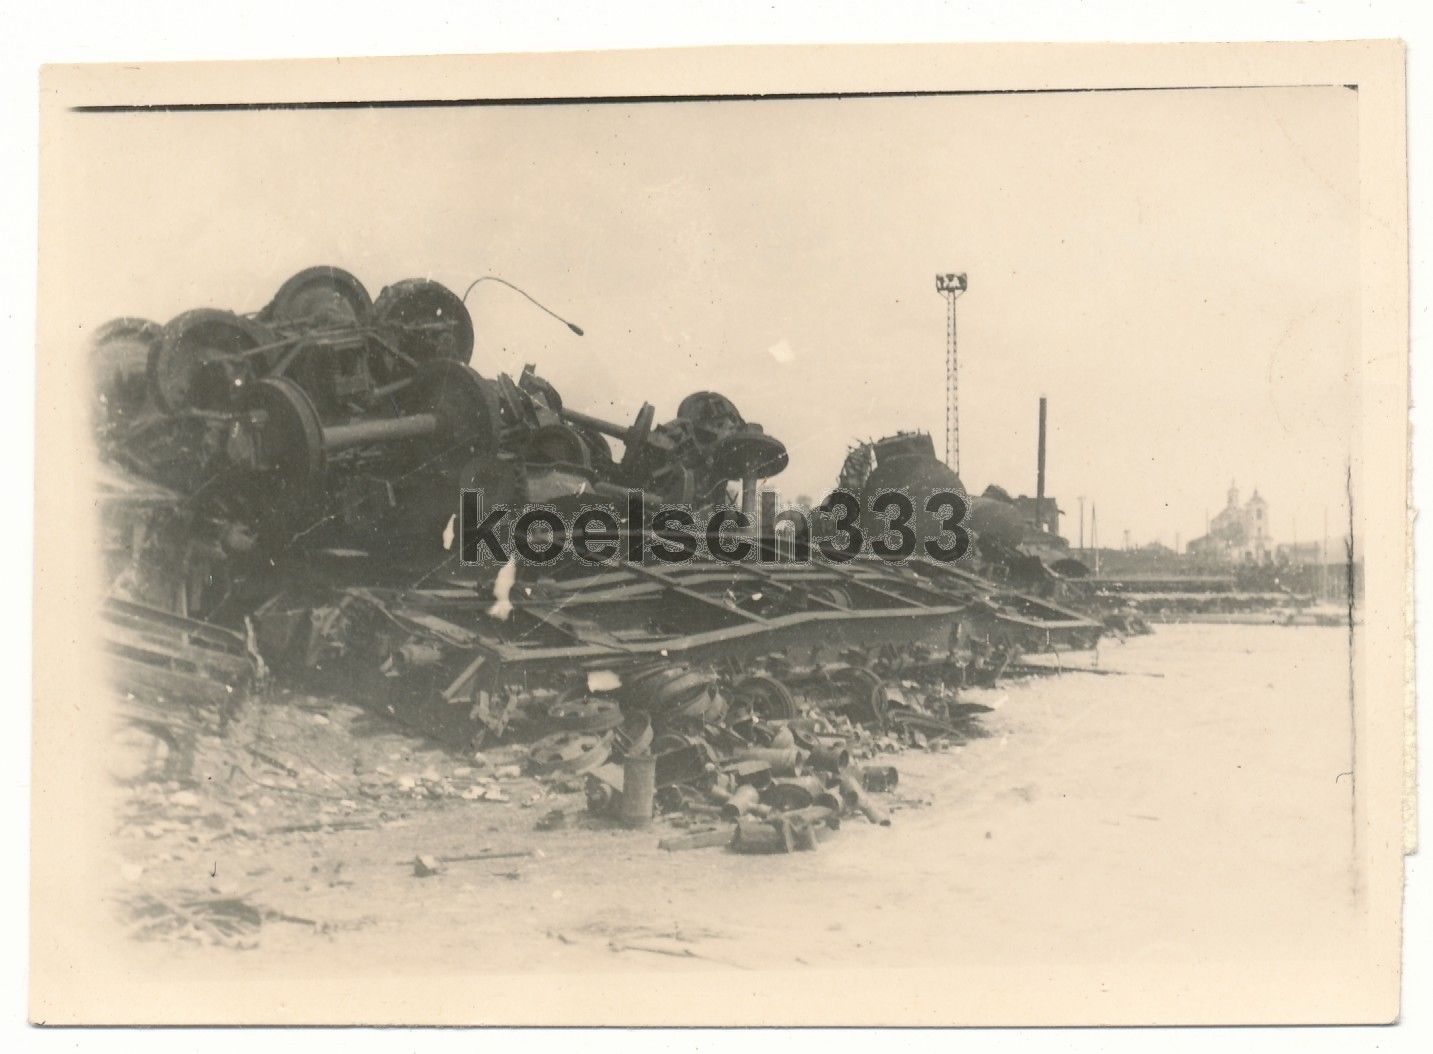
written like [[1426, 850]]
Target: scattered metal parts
[[634, 735], [665, 687], [796, 831], [760, 836], [682, 759], [855, 796], [879, 778], [571, 752], [586, 715], [768, 698], [688, 799], [741, 801], [639, 776], [781, 762], [930, 727], [793, 793], [604, 788], [716, 836], [824, 753], [756, 773]]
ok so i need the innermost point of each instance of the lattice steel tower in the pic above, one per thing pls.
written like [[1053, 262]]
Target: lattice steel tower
[[951, 286]]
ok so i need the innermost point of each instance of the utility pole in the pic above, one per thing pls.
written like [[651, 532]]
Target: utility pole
[[1082, 523], [1095, 535], [1324, 559], [951, 286]]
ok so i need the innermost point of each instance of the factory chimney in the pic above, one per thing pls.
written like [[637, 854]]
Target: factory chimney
[[1040, 465]]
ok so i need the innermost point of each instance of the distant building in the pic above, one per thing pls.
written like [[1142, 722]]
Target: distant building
[[1238, 534], [1044, 513], [1304, 553]]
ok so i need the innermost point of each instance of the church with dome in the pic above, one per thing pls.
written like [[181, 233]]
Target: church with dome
[[1239, 533]]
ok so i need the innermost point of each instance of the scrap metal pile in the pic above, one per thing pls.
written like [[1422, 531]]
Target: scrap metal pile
[[329, 423], [748, 685], [290, 474], [756, 748]]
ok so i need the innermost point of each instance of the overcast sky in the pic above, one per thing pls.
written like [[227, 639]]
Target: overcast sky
[[1176, 271]]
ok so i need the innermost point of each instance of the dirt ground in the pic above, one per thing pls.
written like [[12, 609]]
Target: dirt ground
[[1058, 836]]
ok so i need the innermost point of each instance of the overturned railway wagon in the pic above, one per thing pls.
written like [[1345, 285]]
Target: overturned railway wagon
[[868, 637]]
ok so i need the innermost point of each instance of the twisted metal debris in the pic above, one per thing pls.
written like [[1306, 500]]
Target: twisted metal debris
[[276, 491]]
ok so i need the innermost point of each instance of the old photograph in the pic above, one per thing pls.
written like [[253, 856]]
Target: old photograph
[[859, 536]]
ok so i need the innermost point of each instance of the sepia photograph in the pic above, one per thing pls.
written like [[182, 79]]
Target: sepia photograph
[[905, 535]]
